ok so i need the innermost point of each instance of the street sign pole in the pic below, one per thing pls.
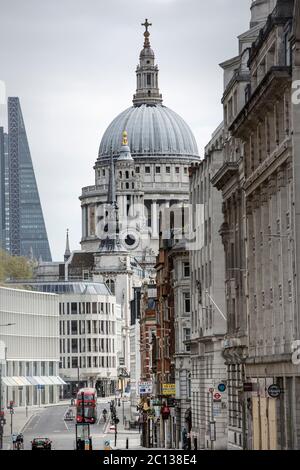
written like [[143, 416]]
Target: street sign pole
[[213, 423], [11, 419]]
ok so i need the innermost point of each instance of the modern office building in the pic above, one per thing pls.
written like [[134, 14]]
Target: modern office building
[[30, 332], [89, 339], [27, 231], [4, 191]]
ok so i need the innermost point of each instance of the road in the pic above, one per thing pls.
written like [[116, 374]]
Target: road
[[50, 423]]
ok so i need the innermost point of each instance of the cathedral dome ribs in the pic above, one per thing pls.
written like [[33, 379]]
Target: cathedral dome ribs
[[153, 129]]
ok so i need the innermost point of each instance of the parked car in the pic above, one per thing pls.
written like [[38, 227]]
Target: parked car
[[41, 443]]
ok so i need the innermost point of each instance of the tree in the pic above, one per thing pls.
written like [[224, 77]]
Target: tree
[[14, 267]]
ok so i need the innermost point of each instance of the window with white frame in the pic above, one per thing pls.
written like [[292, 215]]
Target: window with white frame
[[186, 269], [187, 302]]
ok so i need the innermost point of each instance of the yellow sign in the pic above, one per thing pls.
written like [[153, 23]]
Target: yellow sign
[[169, 389]]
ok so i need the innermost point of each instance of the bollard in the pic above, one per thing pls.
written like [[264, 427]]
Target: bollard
[[127, 443]]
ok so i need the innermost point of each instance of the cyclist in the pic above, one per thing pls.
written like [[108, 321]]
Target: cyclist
[[20, 441]]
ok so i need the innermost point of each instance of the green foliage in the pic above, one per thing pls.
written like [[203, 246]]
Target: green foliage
[[14, 267]]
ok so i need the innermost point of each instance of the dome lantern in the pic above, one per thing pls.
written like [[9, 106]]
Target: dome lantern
[[147, 91]]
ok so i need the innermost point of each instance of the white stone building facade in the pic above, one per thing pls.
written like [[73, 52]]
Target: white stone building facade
[[208, 319], [30, 375], [88, 328]]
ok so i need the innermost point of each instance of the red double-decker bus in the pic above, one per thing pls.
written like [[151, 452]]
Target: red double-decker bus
[[89, 396]]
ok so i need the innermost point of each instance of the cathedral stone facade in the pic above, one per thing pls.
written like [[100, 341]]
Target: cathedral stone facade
[[151, 170]]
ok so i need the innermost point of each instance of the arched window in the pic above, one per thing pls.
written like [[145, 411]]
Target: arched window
[[120, 174], [111, 285], [127, 174], [189, 385]]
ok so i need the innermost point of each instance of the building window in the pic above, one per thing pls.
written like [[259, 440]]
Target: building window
[[74, 330], [74, 346], [168, 170], [287, 50], [187, 302], [103, 172], [185, 170], [147, 169], [74, 308], [187, 337], [177, 169], [157, 169], [290, 290], [137, 169], [280, 291], [271, 296], [111, 285], [186, 269], [74, 362]]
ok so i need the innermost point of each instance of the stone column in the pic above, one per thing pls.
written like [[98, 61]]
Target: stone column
[[251, 274], [265, 258], [257, 264], [154, 219]]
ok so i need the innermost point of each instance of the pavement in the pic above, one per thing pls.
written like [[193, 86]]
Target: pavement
[[133, 435]]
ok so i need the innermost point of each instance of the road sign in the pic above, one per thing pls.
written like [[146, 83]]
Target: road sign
[[222, 387], [217, 408], [169, 389], [107, 445], [274, 391], [217, 396], [145, 388]]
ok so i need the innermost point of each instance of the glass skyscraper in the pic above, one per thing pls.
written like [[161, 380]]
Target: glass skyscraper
[[27, 231], [2, 190]]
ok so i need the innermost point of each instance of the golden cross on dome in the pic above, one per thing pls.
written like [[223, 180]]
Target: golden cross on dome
[[146, 24]]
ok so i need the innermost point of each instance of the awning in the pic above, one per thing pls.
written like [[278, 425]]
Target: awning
[[32, 381]]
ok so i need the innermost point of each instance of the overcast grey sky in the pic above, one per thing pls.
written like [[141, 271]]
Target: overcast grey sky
[[72, 63]]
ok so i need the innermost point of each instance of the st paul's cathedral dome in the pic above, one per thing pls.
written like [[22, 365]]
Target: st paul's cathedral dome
[[152, 128]]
